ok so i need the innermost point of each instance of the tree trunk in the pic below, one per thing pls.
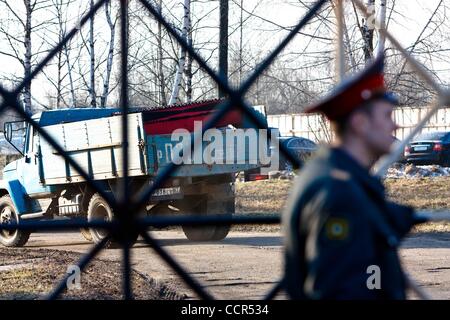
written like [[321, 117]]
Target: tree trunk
[[92, 55], [367, 31], [27, 60], [59, 81], [348, 46], [345, 39], [109, 62], [62, 33], [162, 81], [69, 72], [241, 22], [223, 43], [338, 8], [382, 38], [182, 57], [188, 71]]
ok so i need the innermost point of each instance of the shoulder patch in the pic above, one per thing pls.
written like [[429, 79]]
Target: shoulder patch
[[340, 174], [337, 229]]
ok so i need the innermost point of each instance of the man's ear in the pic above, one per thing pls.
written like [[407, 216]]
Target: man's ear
[[359, 123]]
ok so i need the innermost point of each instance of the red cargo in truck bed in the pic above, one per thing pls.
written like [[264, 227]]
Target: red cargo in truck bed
[[167, 120]]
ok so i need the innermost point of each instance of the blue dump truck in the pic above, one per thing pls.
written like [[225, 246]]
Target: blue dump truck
[[43, 185]]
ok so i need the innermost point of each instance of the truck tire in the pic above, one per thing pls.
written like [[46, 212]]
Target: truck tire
[[225, 207], [213, 204], [198, 233], [8, 214], [99, 209]]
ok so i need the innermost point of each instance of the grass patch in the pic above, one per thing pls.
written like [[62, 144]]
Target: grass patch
[[270, 196], [266, 196], [32, 274], [422, 193]]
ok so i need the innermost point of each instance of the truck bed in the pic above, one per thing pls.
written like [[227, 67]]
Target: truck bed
[[96, 145]]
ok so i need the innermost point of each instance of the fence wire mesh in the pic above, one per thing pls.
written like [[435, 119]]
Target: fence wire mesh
[[127, 206]]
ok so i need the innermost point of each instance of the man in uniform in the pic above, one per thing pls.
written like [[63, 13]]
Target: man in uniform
[[342, 234]]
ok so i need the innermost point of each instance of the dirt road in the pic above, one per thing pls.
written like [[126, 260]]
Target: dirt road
[[244, 266], [247, 264]]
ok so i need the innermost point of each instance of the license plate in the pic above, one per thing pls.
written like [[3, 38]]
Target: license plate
[[164, 192], [420, 148]]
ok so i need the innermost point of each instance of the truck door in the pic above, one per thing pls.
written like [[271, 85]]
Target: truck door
[[28, 168]]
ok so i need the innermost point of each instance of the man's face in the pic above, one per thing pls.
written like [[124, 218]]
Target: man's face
[[379, 135]]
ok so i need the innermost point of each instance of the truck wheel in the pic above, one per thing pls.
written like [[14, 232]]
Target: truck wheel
[[226, 208], [210, 205], [99, 209], [8, 214], [198, 233]]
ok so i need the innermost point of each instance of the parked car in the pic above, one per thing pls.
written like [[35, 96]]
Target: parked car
[[429, 148], [302, 148]]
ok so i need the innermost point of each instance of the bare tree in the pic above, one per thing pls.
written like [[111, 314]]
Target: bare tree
[[60, 10], [161, 77], [182, 56], [27, 58], [367, 31], [382, 26], [241, 37], [109, 62], [92, 56], [155, 58], [188, 69], [17, 28], [223, 42]]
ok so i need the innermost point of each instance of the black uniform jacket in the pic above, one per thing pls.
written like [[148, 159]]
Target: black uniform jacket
[[342, 234]]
